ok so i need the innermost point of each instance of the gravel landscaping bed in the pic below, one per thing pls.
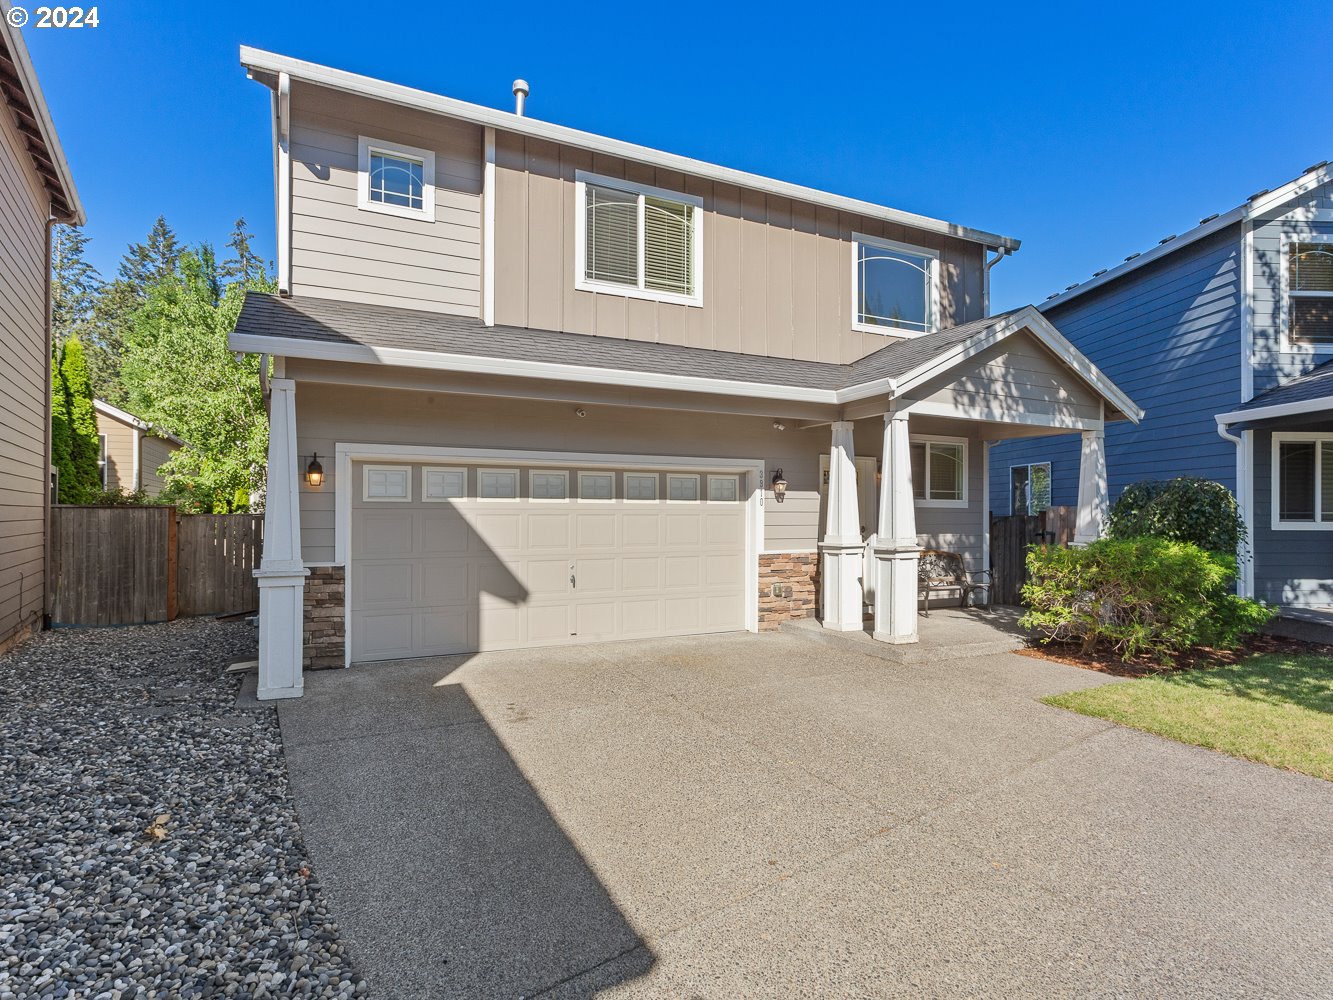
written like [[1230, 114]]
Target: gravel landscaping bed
[[148, 843]]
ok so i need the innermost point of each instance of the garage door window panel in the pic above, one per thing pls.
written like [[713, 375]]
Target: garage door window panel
[[438, 484], [387, 484], [641, 487], [497, 484], [724, 489], [548, 485], [597, 486], [683, 489]]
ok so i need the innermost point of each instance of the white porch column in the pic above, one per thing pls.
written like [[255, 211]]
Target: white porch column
[[897, 550], [282, 574], [840, 553], [1091, 516]]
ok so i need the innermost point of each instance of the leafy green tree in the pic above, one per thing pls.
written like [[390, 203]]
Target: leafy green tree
[[84, 479], [62, 439], [181, 376]]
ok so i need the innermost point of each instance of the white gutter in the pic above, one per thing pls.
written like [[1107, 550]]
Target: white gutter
[[259, 61], [1321, 405]]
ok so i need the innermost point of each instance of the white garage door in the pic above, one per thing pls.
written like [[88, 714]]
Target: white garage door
[[455, 559]]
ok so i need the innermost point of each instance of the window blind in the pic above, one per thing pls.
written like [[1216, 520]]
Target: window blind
[[613, 236], [668, 246]]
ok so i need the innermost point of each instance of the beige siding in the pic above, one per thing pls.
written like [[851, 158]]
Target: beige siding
[[120, 449], [777, 274], [342, 252], [153, 452], [23, 359], [327, 415], [1018, 377]]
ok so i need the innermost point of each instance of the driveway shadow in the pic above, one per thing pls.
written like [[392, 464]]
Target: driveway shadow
[[449, 875]]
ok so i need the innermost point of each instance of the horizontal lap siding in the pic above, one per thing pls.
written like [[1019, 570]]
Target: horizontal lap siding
[[1290, 567], [23, 359], [1275, 362], [777, 274], [154, 452], [119, 452], [1168, 335], [340, 251]]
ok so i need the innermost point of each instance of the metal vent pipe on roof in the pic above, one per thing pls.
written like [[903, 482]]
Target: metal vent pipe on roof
[[520, 96]]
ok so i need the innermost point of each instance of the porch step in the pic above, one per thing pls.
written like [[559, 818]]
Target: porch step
[[957, 636]]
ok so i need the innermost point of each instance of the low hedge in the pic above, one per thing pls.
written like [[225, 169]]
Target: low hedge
[[1137, 597]]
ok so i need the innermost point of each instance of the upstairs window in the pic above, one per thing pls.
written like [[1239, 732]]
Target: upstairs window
[[1030, 487], [396, 180], [895, 287], [939, 472], [1310, 294], [637, 241]]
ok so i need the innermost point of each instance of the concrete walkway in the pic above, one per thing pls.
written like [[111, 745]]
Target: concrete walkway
[[778, 816]]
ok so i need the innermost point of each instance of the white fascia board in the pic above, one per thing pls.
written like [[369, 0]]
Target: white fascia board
[[1294, 409], [33, 90], [116, 413], [361, 354], [1292, 189], [257, 60]]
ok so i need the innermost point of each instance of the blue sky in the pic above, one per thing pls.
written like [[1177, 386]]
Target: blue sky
[[1089, 134]]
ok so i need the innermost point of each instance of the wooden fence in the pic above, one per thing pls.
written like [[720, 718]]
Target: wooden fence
[[1009, 540], [123, 565]]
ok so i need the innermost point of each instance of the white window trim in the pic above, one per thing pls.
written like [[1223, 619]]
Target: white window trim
[[1028, 466], [366, 146], [518, 486], [698, 496], [735, 479], [426, 471], [928, 440], [1284, 319], [582, 283], [546, 472], [1275, 484], [858, 239], [657, 487], [366, 470], [104, 458], [599, 475]]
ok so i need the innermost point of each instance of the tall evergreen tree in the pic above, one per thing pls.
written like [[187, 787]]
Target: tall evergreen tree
[[244, 265], [147, 263], [62, 440], [74, 282], [85, 477]]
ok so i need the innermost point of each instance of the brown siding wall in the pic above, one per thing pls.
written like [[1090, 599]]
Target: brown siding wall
[[777, 274], [154, 451], [24, 361], [120, 448]]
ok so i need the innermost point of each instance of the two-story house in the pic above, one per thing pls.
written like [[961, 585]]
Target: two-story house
[[36, 192], [535, 386], [1225, 334]]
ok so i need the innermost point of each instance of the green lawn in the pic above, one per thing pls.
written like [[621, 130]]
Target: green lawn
[[1276, 709]]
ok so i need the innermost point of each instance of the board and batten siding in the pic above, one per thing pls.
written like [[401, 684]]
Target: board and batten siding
[[24, 360], [1290, 567], [329, 414], [340, 251], [1274, 361], [1167, 334], [777, 275]]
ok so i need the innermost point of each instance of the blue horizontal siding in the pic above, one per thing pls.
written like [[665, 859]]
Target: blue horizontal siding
[[1169, 335]]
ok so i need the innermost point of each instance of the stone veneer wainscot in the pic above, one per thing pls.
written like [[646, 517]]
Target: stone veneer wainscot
[[325, 601], [788, 587]]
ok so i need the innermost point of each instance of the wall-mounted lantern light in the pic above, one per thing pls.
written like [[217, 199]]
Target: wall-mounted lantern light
[[779, 486], [314, 472]]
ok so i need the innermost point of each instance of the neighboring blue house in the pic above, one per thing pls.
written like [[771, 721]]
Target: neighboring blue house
[[1220, 334]]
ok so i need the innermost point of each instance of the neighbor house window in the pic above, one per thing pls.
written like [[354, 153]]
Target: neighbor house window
[[101, 459], [1303, 481], [1030, 488], [939, 472], [637, 240], [398, 180], [895, 287], [1310, 294]]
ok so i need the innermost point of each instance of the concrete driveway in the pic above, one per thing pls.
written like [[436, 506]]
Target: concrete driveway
[[779, 816]]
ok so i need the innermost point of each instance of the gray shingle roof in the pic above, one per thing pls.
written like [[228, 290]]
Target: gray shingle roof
[[1317, 383], [375, 326]]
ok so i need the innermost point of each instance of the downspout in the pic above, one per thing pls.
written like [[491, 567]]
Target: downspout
[[1000, 254], [1244, 482], [51, 223], [283, 127]]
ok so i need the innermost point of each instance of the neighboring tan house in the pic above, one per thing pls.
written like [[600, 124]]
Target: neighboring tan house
[[131, 451], [35, 191], [1227, 328], [534, 386]]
